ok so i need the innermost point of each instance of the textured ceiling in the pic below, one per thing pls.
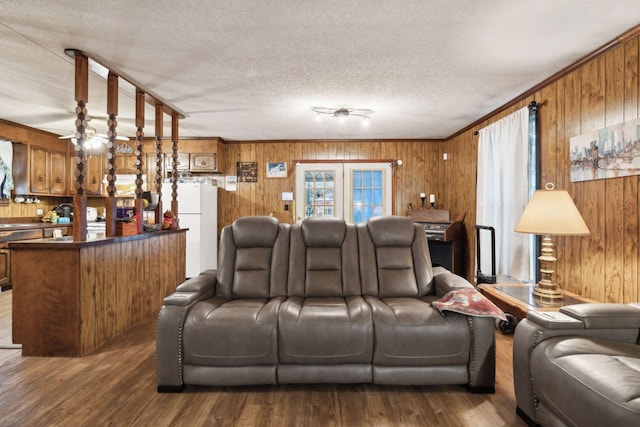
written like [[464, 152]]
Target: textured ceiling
[[252, 70]]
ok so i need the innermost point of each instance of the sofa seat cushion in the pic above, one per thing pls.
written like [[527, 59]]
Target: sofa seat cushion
[[329, 330], [589, 381], [232, 332], [410, 332]]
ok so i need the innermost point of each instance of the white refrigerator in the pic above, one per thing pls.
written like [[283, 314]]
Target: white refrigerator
[[197, 211]]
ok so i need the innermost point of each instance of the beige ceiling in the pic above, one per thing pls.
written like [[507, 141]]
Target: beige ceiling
[[252, 70]]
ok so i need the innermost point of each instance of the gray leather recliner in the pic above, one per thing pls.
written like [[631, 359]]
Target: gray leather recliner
[[579, 367]]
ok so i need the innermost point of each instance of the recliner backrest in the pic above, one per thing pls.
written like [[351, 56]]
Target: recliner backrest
[[323, 259], [253, 257], [394, 258]]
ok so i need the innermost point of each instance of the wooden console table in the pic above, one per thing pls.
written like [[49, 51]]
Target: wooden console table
[[517, 298]]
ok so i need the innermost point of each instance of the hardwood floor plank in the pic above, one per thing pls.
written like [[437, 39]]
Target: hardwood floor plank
[[116, 386]]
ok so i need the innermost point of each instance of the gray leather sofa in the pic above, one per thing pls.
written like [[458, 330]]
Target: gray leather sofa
[[579, 367], [321, 302]]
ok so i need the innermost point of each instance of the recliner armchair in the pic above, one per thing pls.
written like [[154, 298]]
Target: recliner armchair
[[579, 366]]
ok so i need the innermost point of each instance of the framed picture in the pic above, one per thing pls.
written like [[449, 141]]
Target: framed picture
[[247, 171], [276, 170], [610, 152]]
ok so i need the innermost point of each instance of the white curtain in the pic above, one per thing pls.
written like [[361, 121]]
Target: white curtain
[[502, 194]]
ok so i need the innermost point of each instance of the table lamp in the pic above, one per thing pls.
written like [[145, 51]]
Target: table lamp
[[550, 213]]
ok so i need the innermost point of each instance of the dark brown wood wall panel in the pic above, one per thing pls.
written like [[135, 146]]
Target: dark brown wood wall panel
[[602, 92], [420, 172]]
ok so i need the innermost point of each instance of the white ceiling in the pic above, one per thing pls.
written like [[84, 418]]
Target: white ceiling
[[252, 70]]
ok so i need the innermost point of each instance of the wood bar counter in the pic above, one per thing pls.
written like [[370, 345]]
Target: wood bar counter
[[69, 298]]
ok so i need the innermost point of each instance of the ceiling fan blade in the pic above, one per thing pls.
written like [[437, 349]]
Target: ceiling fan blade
[[67, 136]]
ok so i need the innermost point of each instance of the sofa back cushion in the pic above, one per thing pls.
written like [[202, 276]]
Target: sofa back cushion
[[253, 256], [394, 258], [323, 260]]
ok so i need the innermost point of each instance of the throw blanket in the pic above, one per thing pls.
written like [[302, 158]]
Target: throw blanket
[[6, 160]]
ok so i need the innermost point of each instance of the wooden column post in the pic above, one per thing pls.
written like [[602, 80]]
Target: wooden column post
[[80, 159], [139, 202], [174, 146], [110, 203], [159, 134]]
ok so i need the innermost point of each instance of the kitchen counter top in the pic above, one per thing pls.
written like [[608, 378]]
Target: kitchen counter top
[[10, 232], [29, 225], [67, 242]]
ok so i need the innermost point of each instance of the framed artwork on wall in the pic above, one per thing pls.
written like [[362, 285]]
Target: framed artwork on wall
[[610, 152], [276, 170], [247, 171]]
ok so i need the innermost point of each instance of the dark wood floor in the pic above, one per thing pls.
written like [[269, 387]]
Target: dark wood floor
[[116, 386]]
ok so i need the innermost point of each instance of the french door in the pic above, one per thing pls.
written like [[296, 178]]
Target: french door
[[353, 191]]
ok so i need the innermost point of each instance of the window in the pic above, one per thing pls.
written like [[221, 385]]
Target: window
[[354, 191]]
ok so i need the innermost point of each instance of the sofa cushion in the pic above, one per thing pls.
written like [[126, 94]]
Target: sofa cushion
[[232, 332], [410, 332], [323, 259], [394, 258], [329, 330], [253, 258], [255, 231], [589, 381], [324, 232]]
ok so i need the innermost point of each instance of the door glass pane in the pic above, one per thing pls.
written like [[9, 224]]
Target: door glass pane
[[366, 195], [319, 194]]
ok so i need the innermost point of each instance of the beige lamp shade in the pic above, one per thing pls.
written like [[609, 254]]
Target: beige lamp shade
[[552, 212]]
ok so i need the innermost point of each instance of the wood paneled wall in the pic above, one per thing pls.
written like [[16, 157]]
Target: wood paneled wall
[[420, 172], [601, 92]]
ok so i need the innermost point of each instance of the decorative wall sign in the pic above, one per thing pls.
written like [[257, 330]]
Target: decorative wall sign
[[247, 171], [609, 152], [277, 170], [124, 148]]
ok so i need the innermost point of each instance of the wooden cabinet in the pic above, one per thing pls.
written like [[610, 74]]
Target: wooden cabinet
[[94, 174], [47, 171], [39, 170], [58, 172], [183, 162], [203, 162]]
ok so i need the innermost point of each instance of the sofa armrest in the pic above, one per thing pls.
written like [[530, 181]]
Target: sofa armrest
[[203, 285], [599, 316], [170, 326], [446, 281]]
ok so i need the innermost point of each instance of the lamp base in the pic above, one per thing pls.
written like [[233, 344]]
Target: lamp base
[[548, 293]]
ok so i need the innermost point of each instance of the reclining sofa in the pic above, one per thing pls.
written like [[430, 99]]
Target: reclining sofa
[[321, 302], [579, 367]]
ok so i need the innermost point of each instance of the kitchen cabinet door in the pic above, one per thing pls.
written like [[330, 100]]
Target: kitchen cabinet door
[[94, 176], [39, 170], [183, 162], [203, 162], [58, 172]]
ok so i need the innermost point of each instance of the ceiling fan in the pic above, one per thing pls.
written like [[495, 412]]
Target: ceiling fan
[[94, 139], [344, 112]]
